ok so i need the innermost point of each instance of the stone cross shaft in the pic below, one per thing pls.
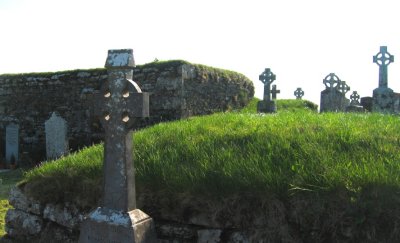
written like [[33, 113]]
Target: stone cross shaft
[[299, 93], [383, 59], [274, 92], [267, 77], [120, 101]]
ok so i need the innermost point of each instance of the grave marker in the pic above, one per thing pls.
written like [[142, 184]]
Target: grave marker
[[267, 105], [354, 98], [56, 137], [274, 92], [12, 143], [299, 93], [333, 97], [383, 96], [120, 102]]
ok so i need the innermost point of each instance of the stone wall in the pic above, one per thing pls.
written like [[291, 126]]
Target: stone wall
[[193, 220], [177, 90]]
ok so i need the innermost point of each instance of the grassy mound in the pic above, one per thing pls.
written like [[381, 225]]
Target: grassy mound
[[231, 152], [333, 175]]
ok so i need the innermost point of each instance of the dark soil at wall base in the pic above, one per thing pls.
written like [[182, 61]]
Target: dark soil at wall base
[[339, 216]]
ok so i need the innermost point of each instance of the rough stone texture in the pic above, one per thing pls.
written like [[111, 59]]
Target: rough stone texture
[[367, 103], [384, 100], [120, 101], [12, 143], [20, 201], [177, 90], [333, 97], [20, 223], [66, 215]]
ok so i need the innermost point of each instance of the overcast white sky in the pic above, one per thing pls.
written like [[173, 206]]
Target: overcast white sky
[[301, 41]]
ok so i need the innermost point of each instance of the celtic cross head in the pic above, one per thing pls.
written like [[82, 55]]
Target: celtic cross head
[[383, 58], [299, 93], [267, 77], [343, 87], [331, 81]]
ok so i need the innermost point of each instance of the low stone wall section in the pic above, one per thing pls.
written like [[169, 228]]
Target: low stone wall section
[[177, 90]]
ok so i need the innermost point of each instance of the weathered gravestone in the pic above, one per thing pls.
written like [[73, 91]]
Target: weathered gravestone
[[56, 137], [355, 105], [367, 103], [12, 143], [333, 98], [299, 93], [120, 102], [267, 105], [383, 95], [274, 91]]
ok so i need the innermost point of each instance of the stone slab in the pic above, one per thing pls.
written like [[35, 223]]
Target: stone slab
[[266, 106], [111, 226], [12, 143], [56, 137]]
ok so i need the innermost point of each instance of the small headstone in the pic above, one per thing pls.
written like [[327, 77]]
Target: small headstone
[[56, 137], [354, 98], [299, 93], [12, 143], [119, 103], [355, 103], [383, 95], [274, 91], [267, 105], [333, 98], [367, 103]]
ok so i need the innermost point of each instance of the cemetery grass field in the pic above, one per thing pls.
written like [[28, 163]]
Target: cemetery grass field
[[342, 168], [7, 180]]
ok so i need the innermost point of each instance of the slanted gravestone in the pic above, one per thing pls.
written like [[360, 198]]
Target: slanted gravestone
[[383, 95], [333, 98], [355, 105], [299, 93], [274, 91], [267, 105], [56, 137], [119, 103], [12, 143]]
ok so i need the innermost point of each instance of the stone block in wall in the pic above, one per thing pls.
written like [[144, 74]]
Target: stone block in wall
[[66, 215], [20, 201], [20, 224]]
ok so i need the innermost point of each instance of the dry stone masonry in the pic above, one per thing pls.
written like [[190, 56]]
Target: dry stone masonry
[[177, 90]]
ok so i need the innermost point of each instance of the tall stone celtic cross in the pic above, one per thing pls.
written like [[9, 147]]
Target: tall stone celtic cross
[[331, 81], [343, 87], [354, 98], [299, 93], [274, 92], [120, 101], [383, 59], [267, 77]]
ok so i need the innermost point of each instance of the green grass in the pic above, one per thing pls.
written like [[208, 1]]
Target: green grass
[[331, 171], [227, 153], [7, 180]]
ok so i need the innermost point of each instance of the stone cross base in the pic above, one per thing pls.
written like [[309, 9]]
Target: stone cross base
[[266, 106], [383, 100], [355, 108], [107, 225]]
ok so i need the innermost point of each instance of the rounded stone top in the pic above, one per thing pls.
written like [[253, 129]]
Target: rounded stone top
[[121, 58]]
